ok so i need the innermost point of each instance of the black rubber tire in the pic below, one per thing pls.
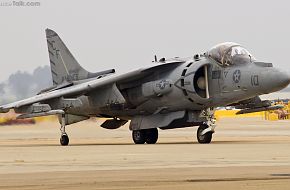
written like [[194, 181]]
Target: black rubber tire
[[64, 140], [151, 136], [139, 136], [206, 138]]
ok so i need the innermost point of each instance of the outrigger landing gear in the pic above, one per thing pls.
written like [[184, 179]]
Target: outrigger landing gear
[[64, 140], [205, 130], [150, 136]]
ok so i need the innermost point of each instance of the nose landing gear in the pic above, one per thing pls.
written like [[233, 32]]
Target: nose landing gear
[[205, 130], [204, 136], [64, 140]]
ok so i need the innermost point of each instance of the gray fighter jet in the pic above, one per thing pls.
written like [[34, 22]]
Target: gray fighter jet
[[165, 94]]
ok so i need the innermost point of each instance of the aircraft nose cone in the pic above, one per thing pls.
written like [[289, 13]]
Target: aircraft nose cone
[[274, 80], [282, 79]]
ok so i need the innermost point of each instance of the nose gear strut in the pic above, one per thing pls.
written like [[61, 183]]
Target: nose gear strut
[[205, 130]]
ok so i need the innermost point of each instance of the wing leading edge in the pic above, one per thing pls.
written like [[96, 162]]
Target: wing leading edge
[[83, 88]]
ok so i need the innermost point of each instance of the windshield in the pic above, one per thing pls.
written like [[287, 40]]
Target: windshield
[[230, 53]]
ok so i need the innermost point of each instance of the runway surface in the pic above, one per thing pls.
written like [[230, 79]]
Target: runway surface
[[245, 154]]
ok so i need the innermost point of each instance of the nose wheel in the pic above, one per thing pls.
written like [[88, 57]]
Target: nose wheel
[[204, 134], [206, 129]]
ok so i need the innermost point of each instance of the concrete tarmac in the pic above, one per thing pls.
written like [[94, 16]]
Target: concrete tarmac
[[246, 153]]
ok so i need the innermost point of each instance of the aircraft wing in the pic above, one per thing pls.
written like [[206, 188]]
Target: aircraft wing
[[83, 88], [255, 105]]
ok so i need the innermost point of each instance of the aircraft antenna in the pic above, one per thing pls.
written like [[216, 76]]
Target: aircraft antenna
[[155, 58]]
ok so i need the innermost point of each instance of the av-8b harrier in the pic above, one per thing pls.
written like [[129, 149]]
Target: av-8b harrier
[[167, 94]]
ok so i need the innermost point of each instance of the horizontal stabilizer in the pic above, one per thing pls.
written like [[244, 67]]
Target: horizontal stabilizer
[[40, 114], [101, 73]]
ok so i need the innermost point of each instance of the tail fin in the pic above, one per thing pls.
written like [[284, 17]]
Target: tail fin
[[64, 67]]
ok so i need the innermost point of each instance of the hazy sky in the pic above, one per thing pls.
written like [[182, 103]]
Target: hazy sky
[[125, 34]]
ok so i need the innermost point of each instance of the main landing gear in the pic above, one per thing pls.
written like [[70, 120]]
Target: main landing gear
[[204, 132], [150, 136], [64, 140]]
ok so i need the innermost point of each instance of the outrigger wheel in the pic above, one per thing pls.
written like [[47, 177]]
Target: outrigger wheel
[[64, 140]]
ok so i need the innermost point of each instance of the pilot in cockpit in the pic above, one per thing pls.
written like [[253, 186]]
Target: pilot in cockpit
[[230, 53]]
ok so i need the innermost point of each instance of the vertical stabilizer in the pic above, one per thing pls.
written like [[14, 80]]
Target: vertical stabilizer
[[64, 67]]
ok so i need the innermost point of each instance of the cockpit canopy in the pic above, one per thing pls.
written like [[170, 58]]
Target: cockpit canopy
[[230, 53]]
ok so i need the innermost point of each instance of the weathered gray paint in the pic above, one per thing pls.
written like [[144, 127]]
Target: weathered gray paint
[[156, 95]]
